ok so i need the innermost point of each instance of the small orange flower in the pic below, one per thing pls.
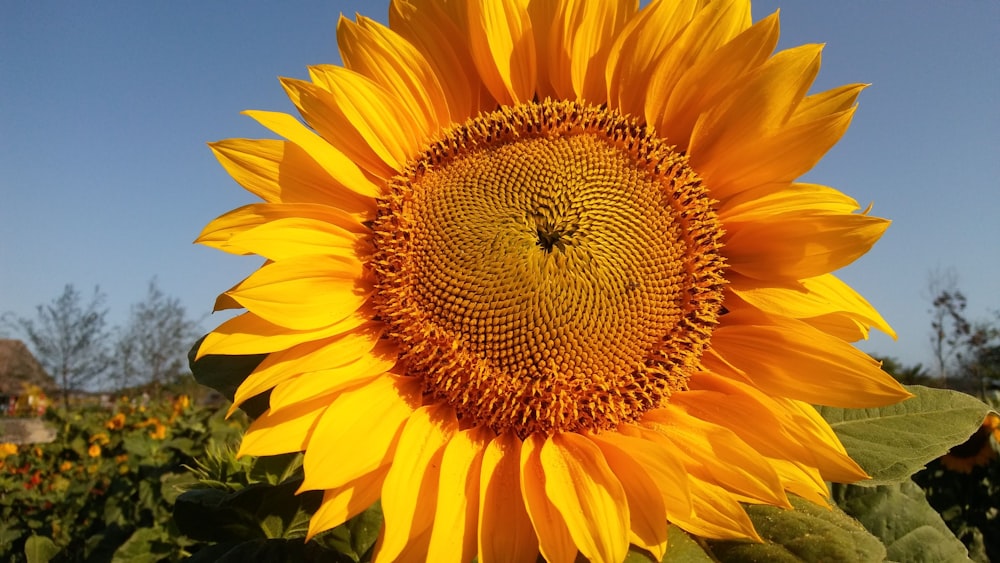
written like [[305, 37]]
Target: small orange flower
[[977, 451], [117, 422], [159, 432], [7, 449], [100, 438], [94, 450], [65, 466]]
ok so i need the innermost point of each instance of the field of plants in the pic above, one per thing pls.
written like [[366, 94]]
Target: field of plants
[[105, 489]]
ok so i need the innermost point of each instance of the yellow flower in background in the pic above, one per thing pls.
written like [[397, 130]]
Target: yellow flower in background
[[67, 465], [94, 450], [159, 431], [6, 449], [978, 451], [117, 422], [100, 439], [540, 276]]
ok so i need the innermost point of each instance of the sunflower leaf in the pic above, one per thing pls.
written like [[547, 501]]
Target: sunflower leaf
[[891, 443], [682, 548], [808, 533], [902, 518], [225, 373]]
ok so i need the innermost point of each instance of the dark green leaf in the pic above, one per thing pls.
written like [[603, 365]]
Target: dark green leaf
[[891, 443], [808, 533], [269, 551], [40, 549], [209, 515], [365, 528], [900, 516], [222, 373]]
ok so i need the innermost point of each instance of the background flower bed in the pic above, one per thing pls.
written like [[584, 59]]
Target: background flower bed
[[104, 490]]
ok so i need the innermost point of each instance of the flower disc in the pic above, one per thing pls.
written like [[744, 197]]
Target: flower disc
[[549, 267]]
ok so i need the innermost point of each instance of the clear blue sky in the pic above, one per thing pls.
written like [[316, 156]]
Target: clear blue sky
[[105, 109]]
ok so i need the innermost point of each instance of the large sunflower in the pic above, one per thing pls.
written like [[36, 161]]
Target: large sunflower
[[539, 276]]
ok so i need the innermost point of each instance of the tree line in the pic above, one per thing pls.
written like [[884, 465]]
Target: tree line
[[73, 341], [965, 351]]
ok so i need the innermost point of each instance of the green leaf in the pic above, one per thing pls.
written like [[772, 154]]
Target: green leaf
[[40, 549], [268, 551], [207, 515], [220, 372], [682, 548], [901, 517], [141, 547], [808, 533], [891, 443]]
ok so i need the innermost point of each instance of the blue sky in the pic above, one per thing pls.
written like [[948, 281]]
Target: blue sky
[[105, 109]]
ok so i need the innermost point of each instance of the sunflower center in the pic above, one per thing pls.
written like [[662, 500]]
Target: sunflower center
[[548, 266]]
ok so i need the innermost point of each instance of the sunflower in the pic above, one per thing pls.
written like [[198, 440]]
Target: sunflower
[[978, 451], [540, 277]]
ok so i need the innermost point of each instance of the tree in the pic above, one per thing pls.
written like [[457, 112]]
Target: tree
[[69, 338], [908, 375], [949, 326], [152, 347]]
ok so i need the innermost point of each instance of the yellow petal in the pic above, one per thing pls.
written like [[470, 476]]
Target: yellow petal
[[720, 453], [356, 116], [504, 528], [430, 29], [713, 76], [344, 350], [250, 334], [811, 366], [453, 536], [710, 29], [579, 46], [810, 428], [220, 232], [717, 514], [659, 462], [366, 422], [554, 540], [802, 480], [334, 162], [832, 101], [280, 171], [781, 156], [503, 49], [284, 432], [291, 238], [581, 486], [799, 245], [306, 292], [325, 382], [639, 47], [767, 424], [343, 503], [371, 49], [647, 514], [763, 104], [821, 295], [411, 487], [773, 199]]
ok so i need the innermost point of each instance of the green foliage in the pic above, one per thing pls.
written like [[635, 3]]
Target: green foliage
[[900, 515], [104, 490], [968, 498], [891, 443]]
